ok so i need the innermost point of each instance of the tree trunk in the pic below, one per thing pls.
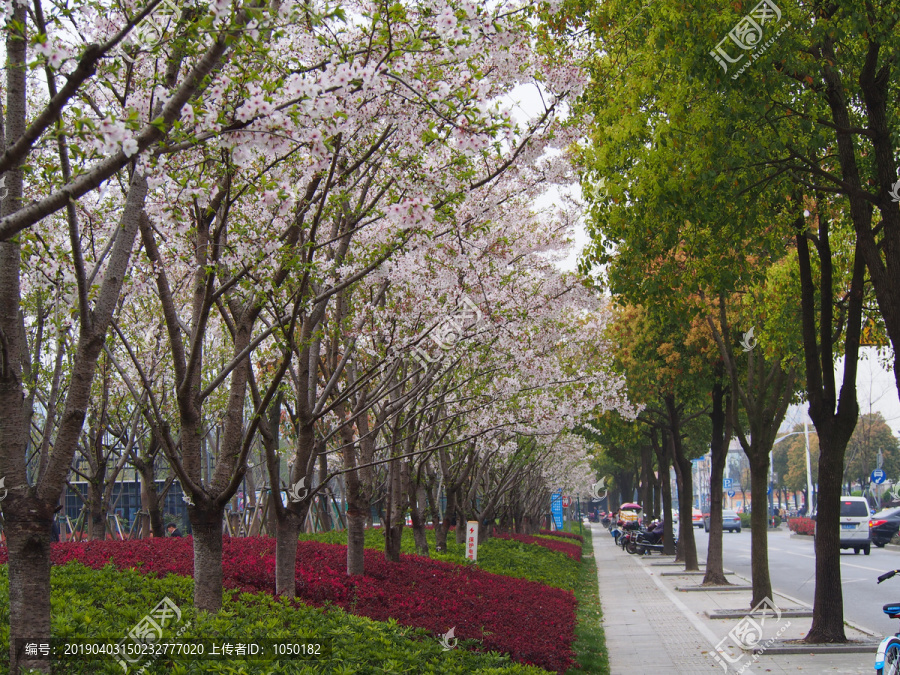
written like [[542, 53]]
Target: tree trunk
[[416, 495], [834, 415], [662, 460], [393, 527], [828, 605], [207, 530], [287, 529], [625, 483], [151, 519], [718, 447], [759, 535], [646, 490], [880, 253], [659, 511], [98, 518], [324, 505], [440, 533], [356, 539], [359, 508], [687, 546], [28, 544], [686, 542]]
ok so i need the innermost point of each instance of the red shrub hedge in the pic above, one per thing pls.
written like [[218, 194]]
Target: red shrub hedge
[[571, 550], [802, 525], [532, 622]]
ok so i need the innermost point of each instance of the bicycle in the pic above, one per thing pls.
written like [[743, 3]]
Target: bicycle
[[887, 660]]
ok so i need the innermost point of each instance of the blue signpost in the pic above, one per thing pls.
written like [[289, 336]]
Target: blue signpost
[[731, 493], [878, 476], [556, 509]]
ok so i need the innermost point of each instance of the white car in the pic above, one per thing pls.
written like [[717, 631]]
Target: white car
[[855, 532]]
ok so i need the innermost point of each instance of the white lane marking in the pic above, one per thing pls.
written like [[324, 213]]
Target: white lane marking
[[860, 567], [801, 555], [848, 564]]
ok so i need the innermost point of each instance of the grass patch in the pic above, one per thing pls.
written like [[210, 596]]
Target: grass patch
[[590, 642], [497, 556]]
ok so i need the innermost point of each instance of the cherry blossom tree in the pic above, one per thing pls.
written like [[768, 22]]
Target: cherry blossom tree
[[61, 141]]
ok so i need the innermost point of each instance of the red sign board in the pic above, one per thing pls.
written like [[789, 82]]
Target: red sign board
[[566, 502]]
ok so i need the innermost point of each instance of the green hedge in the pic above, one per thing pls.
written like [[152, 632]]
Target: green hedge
[[745, 520], [108, 603]]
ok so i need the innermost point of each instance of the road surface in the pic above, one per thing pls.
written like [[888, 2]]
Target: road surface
[[792, 568]]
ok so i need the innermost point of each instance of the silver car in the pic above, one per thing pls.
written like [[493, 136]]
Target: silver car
[[731, 521]]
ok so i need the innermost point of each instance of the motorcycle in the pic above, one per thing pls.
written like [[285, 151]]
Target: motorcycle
[[647, 540], [629, 531]]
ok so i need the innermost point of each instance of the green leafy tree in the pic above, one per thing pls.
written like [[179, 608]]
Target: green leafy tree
[[872, 439]]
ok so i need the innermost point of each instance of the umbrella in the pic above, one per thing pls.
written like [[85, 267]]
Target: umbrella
[[631, 507]]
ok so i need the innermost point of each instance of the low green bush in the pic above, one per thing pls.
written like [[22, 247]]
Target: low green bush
[[108, 603], [498, 556], [745, 520]]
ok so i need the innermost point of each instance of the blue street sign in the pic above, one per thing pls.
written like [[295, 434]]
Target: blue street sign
[[769, 491], [556, 509], [726, 483], [878, 476], [731, 493]]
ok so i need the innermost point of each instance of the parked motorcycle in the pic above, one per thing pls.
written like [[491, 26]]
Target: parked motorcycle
[[647, 540], [629, 531]]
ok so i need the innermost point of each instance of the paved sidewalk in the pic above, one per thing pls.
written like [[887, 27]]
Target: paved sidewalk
[[651, 627]]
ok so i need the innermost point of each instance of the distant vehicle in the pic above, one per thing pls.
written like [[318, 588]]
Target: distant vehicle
[[697, 517], [855, 524], [884, 525], [731, 521]]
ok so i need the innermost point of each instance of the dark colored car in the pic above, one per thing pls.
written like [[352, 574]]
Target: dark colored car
[[731, 521], [884, 525]]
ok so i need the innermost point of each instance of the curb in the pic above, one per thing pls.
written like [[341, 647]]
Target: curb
[[683, 573], [741, 613], [716, 589], [689, 574], [792, 647]]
